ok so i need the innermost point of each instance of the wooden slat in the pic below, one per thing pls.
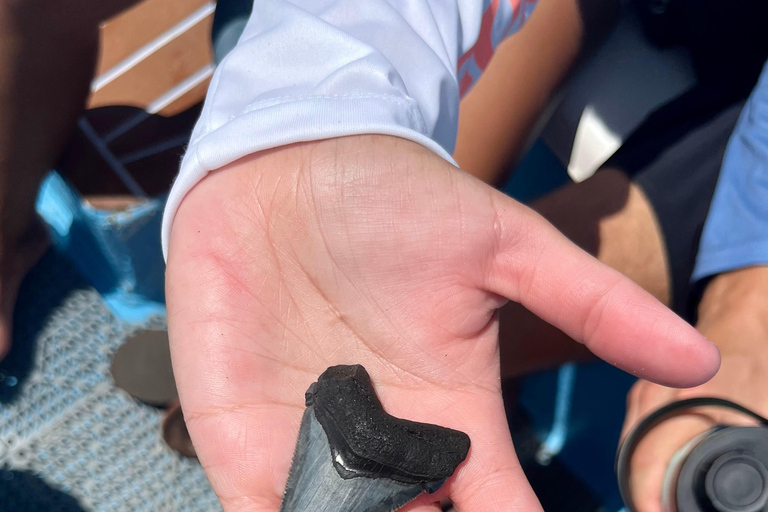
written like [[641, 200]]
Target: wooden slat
[[129, 31], [160, 71], [191, 97]]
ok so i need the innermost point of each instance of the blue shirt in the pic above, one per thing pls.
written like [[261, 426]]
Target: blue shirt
[[736, 230]]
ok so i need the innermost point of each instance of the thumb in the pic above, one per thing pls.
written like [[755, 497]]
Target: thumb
[[536, 265]]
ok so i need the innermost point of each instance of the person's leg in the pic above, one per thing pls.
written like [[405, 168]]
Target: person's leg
[[499, 114], [48, 51]]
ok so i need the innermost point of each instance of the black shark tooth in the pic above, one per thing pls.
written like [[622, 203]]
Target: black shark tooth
[[354, 457]]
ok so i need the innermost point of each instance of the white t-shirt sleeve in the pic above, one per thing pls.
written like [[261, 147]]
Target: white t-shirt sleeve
[[314, 69]]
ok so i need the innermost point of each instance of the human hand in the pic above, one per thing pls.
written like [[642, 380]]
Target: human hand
[[734, 315], [373, 250]]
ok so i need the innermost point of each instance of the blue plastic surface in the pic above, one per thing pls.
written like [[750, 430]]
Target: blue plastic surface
[[118, 253], [70, 440]]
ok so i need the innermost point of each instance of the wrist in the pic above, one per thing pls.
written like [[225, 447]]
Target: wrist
[[733, 311], [294, 175]]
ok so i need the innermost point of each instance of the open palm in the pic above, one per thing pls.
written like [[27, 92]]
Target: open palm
[[373, 250]]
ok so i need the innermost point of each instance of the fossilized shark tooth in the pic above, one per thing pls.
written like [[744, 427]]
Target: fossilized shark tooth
[[352, 456]]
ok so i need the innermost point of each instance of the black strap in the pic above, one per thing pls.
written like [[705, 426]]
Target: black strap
[[628, 446]]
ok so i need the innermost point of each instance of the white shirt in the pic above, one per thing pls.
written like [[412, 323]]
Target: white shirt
[[315, 69]]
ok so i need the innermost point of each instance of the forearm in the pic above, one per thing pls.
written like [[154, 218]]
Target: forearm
[[306, 71], [498, 116]]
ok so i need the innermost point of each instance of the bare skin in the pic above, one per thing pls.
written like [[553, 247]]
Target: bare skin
[[374, 250], [43, 43], [244, 248], [47, 57], [498, 117], [734, 315], [609, 217]]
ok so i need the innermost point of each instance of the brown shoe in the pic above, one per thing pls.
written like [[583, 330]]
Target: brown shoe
[[142, 367]]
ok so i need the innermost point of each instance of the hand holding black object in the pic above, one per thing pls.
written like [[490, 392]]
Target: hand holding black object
[[373, 250]]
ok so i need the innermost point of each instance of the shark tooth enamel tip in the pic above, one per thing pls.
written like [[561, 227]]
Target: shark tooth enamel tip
[[352, 456]]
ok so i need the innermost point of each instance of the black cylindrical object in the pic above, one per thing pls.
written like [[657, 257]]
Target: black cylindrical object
[[725, 471], [722, 470]]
